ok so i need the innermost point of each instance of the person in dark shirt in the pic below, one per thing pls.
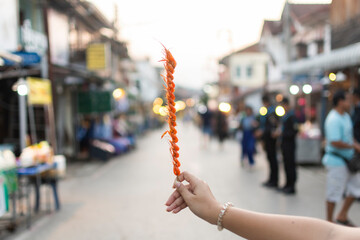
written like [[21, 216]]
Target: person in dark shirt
[[356, 114], [221, 127], [287, 133], [268, 125], [206, 126]]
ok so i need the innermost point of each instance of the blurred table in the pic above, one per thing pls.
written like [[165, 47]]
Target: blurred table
[[35, 173], [27, 176]]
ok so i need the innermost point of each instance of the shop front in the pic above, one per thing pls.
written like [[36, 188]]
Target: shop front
[[322, 75]]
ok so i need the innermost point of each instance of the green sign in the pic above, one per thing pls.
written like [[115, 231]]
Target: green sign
[[94, 102]]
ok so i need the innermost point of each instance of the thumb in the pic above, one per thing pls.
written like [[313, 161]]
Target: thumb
[[183, 190]]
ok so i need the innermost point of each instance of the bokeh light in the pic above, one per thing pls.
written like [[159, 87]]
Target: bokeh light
[[280, 111], [332, 77], [212, 104], [22, 89], [180, 105], [118, 93], [156, 109], [158, 101], [163, 111], [294, 89], [263, 111], [301, 101], [202, 109], [279, 97], [224, 107], [307, 88]]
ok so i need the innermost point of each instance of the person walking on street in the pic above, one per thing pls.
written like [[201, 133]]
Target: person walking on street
[[268, 125], [248, 224], [356, 114], [288, 132], [340, 146], [248, 125], [221, 127], [206, 126]]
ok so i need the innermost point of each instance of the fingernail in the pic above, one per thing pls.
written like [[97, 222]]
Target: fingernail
[[177, 184]]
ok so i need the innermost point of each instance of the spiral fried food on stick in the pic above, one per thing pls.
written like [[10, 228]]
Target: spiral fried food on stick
[[169, 65]]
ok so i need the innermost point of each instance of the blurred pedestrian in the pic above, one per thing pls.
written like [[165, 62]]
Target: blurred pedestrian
[[206, 125], [221, 127], [251, 225], [248, 124], [240, 114], [340, 146], [288, 132], [268, 125], [83, 135], [356, 114]]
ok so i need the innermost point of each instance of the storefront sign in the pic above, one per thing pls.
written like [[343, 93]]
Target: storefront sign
[[39, 91], [27, 59], [33, 41], [58, 36], [94, 102], [96, 56], [9, 25]]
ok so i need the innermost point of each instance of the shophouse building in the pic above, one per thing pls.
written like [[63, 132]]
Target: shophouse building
[[247, 71]]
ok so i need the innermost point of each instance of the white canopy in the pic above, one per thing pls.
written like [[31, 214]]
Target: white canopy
[[336, 59]]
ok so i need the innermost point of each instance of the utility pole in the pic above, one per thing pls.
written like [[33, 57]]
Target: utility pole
[[287, 26], [287, 33]]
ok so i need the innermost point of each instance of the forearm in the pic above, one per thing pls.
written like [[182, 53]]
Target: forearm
[[255, 226], [342, 145]]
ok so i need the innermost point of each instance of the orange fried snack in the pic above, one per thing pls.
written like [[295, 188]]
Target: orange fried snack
[[169, 65]]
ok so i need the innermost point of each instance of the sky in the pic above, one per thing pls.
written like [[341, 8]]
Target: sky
[[197, 32]]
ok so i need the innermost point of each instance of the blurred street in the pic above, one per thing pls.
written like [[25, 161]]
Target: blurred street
[[124, 197], [83, 108]]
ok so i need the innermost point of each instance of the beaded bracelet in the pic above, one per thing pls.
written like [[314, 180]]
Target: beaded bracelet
[[221, 215]]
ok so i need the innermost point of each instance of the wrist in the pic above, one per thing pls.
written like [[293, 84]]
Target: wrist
[[214, 213], [223, 211]]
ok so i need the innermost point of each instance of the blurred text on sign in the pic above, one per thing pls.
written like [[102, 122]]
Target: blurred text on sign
[[39, 91], [96, 56]]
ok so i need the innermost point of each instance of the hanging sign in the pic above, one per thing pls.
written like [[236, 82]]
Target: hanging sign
[[39, 91], [96, 56]]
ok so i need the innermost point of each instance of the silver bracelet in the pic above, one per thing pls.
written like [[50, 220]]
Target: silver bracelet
[[221, 215]]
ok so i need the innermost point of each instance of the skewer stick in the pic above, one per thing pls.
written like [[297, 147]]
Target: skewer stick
[[169, 65]]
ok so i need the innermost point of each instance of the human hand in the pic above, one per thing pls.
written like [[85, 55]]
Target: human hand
[[255, 124], [258, 133], [357, 147], [196, 195]]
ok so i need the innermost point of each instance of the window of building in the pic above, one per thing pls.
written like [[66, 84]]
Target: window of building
[[301, 50], [249, 71], [320, 46], [238, 71]]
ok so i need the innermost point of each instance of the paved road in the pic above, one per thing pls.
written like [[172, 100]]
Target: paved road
[[124, 198]]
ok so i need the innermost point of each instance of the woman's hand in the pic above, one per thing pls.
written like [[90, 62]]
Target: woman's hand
[[196, 195]]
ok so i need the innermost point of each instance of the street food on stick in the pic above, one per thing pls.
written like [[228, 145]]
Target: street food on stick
[[169, 65]]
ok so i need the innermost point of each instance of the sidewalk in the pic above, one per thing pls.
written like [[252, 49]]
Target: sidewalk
[[124, 198]]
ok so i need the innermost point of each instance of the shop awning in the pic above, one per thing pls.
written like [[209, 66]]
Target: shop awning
[[336, 59]]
